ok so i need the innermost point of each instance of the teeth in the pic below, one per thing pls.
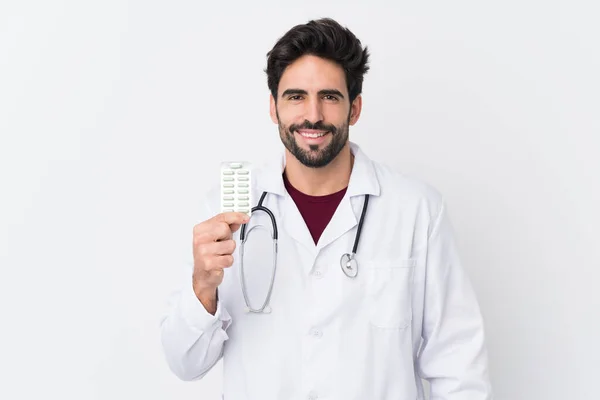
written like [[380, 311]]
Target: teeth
[[313, 135]]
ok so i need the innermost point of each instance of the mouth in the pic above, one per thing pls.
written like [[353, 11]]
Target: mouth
[[312, 136]]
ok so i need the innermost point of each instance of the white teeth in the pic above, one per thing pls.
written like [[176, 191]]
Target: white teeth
[[313, 135]]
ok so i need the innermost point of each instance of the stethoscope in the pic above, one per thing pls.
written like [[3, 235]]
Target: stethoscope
[[348, 262]]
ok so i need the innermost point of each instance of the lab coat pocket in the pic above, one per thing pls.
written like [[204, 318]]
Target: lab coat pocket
[[389, 293]]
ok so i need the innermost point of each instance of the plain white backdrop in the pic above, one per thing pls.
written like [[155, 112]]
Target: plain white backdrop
[[114, 116]]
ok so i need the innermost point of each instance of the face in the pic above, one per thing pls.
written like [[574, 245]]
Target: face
[[313, 110]]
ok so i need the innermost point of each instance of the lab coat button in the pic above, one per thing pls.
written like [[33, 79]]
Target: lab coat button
[[318, 274], [312, 396], [317, 333]]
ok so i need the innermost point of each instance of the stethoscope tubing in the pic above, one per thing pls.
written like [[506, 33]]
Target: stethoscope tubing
[[348, 262]]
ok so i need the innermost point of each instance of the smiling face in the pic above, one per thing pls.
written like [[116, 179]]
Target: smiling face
[[313, 110]]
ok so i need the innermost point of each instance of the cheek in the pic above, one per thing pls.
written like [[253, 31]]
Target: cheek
[[336, 112], [336, 118], [287, 119], [289, 114]]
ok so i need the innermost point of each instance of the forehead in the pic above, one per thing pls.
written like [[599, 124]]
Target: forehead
[[312, 74]]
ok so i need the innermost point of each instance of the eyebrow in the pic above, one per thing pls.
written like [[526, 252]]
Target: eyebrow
[[321, 92]]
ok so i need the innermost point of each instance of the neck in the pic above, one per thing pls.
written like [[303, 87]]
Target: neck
[[320, 181]]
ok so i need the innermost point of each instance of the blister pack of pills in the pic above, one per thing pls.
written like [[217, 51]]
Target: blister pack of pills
[[236, 194]]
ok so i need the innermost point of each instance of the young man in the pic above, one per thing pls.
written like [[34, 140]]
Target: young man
[[364, 326]]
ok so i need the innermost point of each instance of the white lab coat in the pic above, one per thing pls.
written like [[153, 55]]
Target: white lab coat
[[411, 312]]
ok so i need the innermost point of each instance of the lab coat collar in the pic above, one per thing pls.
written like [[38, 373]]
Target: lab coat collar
[[363, 179]]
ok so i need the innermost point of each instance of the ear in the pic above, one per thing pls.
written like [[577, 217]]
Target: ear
[[273, 109], [355, 109]]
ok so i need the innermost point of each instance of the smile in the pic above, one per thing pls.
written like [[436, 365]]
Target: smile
[[312, 135]]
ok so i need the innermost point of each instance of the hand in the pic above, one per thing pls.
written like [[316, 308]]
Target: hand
[[213, 246]]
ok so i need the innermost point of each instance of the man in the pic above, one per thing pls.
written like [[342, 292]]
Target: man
[[371, 328]]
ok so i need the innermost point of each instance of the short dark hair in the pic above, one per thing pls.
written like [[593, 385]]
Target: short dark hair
[[323, 38]]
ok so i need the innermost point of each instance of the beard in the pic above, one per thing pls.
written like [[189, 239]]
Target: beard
[[318, 155]]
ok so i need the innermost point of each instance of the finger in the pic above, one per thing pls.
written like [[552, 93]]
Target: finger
[[221, 231], [232, 218], [217, 263], [213, 249], [224, 261], [223, 247], [234, 227]]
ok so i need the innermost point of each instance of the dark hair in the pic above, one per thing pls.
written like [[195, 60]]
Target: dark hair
[[322, 38]]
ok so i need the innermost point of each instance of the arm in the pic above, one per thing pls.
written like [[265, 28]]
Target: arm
[[193, 329], [192, 338], [453, 357]]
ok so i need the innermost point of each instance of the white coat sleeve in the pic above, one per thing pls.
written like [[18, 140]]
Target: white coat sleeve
[[192, 339], [453, 356]]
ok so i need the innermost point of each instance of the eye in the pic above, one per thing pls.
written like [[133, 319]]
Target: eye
[[295, 97], [330, 97]]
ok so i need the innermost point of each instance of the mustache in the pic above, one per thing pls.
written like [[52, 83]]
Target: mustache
[[320, 125]]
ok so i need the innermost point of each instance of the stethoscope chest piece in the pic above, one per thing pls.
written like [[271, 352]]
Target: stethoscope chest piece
[[348, 261], [349, 265]]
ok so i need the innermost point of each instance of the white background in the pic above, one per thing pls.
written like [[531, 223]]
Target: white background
[[107, 109]]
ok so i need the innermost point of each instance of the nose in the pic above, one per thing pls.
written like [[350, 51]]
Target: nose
[[314, 111]]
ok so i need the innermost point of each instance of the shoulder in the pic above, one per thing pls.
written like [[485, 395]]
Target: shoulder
[[401, 188]]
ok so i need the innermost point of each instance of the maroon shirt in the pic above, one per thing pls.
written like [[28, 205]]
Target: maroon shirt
[[316, 210]]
